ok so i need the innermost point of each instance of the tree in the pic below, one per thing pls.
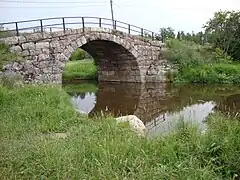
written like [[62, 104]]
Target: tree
[[167, 33], [182, 35], [224, 29], [188, 37], [178, 35]]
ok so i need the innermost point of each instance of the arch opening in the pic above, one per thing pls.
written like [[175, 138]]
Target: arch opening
[[80, 65], [114, 62]]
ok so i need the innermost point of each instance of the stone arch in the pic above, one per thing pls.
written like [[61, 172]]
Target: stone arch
[[116, 56]]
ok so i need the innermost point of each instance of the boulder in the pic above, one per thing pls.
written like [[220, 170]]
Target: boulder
[[135, 124]]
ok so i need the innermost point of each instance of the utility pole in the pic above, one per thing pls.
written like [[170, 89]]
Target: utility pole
[[111, 4]]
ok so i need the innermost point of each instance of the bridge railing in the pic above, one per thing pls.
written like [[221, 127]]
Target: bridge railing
[[65, 23]]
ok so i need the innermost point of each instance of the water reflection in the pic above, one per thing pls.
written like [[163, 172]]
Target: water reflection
[[84, 102], [159, 106]]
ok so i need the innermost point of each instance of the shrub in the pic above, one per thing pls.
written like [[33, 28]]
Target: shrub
[[200, 64], [216, 73], [79, 54]]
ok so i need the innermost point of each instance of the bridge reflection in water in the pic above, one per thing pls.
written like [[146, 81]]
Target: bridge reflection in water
[[159, 106]]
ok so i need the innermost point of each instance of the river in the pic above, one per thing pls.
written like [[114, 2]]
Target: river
[[159, 106]]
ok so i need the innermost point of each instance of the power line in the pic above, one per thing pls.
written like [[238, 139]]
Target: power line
[[41, 7], [53, 2]]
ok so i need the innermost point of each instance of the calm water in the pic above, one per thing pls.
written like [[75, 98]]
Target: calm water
[[159, 106]]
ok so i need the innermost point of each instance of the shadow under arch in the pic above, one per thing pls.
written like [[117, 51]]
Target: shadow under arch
[[115, 63]]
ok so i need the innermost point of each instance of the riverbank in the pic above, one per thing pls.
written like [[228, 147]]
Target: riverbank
[[80, 69], [201, 64], [42, 136]]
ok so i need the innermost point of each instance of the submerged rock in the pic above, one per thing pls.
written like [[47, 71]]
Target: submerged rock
[[135, 123]]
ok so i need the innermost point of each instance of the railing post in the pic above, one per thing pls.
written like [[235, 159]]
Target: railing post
[[83, 25], [129, 29], [64, 28], [17, 28], [115, 24], [41, 24], [152, 36], [100, 22], [142, 32]]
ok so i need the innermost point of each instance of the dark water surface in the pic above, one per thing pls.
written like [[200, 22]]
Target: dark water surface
[[159, 106]]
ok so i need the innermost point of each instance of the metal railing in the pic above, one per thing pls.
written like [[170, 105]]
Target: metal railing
[[64, 23]]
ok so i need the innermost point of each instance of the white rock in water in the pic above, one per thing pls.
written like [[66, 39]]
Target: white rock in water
[[135, 123]]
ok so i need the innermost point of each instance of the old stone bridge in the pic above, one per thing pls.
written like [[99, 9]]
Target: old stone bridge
[[121, 56]]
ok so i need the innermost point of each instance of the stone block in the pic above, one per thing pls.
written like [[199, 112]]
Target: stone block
[[54, 44], [67, 53], [45, 51], [43, 57], [83, 40], [74, 45], [70, 49], [34, 37], [29, 45], [25, 53], [42, 45], [22, 39], [15, 49], [10, 40]]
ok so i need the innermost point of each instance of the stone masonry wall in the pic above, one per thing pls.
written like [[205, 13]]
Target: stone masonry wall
[[121, 57]]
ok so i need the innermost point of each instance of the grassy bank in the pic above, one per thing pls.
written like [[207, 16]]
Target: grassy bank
[[81, 69], [201, 64], [101, 149]]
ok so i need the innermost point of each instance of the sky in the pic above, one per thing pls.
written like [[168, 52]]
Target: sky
[[186, 15]]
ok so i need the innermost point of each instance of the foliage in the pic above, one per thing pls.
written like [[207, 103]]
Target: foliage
[[200, 64], [187, 54], [79, 54], [224, 28], [216, 73], [167, 33], [101, 149], [83, 69]]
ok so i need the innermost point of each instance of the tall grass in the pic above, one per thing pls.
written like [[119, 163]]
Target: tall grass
[[201, 64], [101, 149], [83, 69]]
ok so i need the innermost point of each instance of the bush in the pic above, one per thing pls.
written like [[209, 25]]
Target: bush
[[200, 64], [79, 54], [216, 73]]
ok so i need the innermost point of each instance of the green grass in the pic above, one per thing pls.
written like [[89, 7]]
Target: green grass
[[82, 69], [200, 64], [101, 149], [211, 74]]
